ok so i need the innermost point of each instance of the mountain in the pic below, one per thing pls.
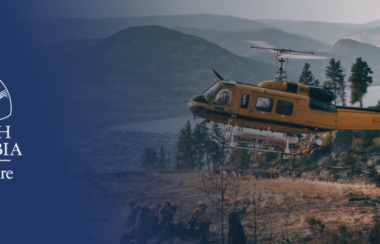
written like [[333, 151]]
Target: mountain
[[236, 42], [372, 24], [207, 34], [371, 36], [321, 31], [348, 50], [73, 44], [200, 21], [352, 49], [59, 29], [148, 71]]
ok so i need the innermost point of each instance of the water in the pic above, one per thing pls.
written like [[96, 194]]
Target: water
[[173, 125]]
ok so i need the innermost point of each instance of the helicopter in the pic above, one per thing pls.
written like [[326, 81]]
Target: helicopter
[[277, 110]]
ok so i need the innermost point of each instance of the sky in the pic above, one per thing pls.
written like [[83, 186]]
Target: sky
[[343, 11]]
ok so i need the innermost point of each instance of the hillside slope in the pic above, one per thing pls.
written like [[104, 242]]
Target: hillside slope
[[348, 50], [322, 31], [145, 72], [371, 36], [59, 29]]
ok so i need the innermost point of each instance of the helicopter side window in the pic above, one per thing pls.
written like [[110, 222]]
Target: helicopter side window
[[284, 108], [223, 98], [244, 101], [264, 104]]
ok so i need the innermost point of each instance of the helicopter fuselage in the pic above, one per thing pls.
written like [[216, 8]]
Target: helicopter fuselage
[[279, 106]]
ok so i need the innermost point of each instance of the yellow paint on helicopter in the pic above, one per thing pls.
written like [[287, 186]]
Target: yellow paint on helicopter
[[284, 106]]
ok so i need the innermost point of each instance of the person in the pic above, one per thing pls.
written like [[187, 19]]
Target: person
[[154, 223], [130, 214], [201, 216], [174, 207], [165, 215], [128, 236], [142, 223]]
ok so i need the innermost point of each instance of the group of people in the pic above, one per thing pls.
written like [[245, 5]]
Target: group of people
[[143, 222]]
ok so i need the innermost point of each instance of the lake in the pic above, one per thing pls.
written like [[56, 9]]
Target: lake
[[171, 125]]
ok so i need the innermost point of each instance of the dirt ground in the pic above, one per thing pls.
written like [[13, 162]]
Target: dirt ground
[[102, 199]]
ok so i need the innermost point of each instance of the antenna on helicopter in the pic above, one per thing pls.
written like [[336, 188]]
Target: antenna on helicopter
[[249, 79], [282, 56], [228, 75]]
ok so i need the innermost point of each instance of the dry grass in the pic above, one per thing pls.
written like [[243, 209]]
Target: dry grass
[[104, 198]]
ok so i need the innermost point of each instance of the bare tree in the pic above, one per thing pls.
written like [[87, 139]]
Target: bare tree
[[259, 218], [217, 186]]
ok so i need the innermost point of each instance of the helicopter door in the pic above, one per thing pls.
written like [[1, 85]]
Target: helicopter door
[[261, 106]]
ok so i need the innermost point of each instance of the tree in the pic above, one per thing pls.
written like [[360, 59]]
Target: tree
[[316, 82], [306, 76], [259, 217], [215, 151], [162, 159], [360, 80], [185, 149], [374, 233], [200, 144], [148, 158], [240, 158], [335, 76], [217, 186]]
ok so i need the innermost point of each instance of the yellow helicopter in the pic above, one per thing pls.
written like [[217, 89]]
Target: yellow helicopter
[[276, 110]]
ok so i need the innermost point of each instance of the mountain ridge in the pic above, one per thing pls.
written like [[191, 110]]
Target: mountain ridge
[[132, 76]]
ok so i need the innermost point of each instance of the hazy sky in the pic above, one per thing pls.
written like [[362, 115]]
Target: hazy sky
[[345, 11]]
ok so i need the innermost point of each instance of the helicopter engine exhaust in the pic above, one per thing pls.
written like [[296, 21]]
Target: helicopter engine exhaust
[[265, 135]]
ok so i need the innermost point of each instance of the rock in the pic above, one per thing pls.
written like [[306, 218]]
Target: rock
[[323, 160], [255, 165], [373, 160], [341, 142], [377, 167]]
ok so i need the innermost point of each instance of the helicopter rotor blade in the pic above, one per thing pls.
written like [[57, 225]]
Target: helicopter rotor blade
[[294, 56], [217, 74], [261, 45]]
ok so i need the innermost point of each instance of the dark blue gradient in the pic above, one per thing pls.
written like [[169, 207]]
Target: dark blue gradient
[[37, 204]]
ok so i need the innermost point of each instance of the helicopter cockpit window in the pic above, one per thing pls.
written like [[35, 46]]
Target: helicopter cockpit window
[[284, 108], [223, 98], [264, 104], [210, 93], [244, 101]]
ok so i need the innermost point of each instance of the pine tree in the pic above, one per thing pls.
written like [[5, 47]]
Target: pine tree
[[316, 82], [185, 148], [240, 158], [199, 141], [215, 151], [162, 159], [306, 76], [335, 77], [360, 80], [148, 158]]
